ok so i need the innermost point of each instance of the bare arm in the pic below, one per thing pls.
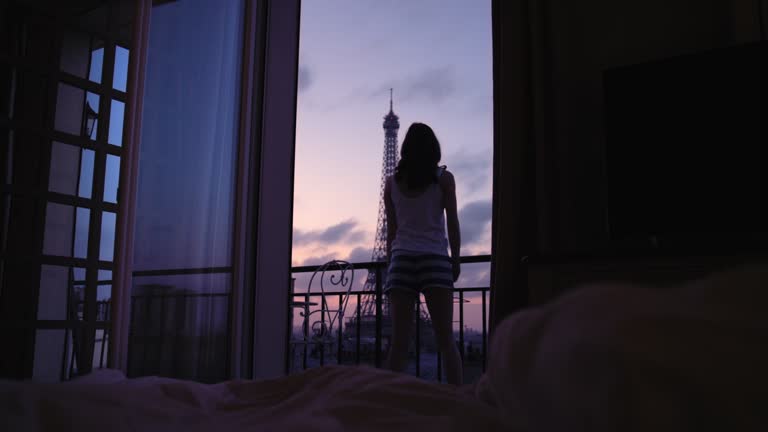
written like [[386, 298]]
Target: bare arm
[[389, 208], [448, 184]]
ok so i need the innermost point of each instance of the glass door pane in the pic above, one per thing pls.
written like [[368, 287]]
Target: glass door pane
[[56, 214]]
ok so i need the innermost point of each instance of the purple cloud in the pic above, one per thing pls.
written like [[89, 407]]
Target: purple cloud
[[472, 170], [360, 254], [432, 85], [474, 218], [342, 231]]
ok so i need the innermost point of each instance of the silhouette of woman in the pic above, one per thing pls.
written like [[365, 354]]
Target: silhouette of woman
[[419, 199]]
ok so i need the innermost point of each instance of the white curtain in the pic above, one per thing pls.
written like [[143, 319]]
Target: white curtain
[[185, 199]]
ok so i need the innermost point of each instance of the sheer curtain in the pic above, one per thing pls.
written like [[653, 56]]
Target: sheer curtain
[[180, 305]]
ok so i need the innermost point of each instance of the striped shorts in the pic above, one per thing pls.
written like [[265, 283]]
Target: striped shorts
[[417, 272]]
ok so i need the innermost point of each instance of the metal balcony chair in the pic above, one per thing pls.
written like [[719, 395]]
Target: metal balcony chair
[[321, 325]]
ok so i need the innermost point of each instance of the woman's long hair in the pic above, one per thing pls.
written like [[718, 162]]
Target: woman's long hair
[[418, 157]]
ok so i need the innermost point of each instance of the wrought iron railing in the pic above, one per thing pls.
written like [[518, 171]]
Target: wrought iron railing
[[351, 349], [160, 321], [148, 331], [357, 346]]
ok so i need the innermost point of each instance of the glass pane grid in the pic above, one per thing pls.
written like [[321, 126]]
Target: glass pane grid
[[68, 176]]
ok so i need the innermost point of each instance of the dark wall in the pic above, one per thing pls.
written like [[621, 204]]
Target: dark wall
[[573, 43]]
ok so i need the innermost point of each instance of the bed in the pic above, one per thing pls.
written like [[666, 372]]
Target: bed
[[602, 358]]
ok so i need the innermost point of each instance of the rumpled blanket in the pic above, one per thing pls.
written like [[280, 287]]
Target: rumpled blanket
[[623, 357], [332, 398]]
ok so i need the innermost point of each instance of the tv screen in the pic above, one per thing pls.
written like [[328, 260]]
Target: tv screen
[[687, 147]]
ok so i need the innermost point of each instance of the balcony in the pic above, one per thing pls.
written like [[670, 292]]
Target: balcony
[[365, 337]]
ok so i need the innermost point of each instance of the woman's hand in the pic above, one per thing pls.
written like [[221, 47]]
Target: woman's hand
[[456, 269]]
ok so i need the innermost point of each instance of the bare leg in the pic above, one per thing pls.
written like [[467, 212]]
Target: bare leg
[[440, 305], [401, 311]]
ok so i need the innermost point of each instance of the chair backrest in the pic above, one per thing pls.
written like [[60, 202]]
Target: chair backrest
[[332, 275]]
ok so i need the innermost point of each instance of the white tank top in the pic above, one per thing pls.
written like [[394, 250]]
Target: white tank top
[[420, 220]]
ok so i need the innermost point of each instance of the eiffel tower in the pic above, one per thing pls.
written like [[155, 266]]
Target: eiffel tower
[[368, 309], [391, 126]]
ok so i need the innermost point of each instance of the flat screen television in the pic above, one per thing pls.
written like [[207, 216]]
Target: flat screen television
[[687, 151]]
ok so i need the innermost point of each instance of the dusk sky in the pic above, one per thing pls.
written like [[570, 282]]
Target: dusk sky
[[436, 54]]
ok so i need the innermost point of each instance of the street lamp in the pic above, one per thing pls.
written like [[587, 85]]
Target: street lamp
[[89, 122]]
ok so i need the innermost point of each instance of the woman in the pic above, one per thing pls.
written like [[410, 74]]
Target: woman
[[418, 198]]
